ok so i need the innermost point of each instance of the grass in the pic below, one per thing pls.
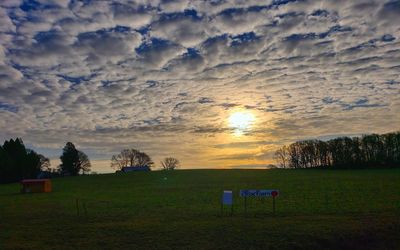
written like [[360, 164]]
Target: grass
[[334, 209]]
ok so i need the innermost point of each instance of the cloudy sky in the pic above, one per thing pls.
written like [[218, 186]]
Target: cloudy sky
[[219, 83]]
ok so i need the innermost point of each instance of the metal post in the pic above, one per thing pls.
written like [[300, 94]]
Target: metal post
[[77, 207], [326, 203], [273, 205], [245, 204], [84, 208]]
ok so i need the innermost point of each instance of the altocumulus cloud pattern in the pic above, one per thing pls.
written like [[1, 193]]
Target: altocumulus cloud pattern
[[163, 75]]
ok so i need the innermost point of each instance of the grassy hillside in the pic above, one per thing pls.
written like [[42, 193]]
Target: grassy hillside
[[181, 209]]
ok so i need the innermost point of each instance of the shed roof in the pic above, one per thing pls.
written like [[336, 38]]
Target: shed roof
[[34, 180], [136, 168]]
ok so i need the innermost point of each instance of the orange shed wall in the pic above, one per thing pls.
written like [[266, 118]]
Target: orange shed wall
[[34, 187], [38, 187], [47, 186]]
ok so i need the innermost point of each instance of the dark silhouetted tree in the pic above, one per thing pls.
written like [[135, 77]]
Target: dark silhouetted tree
[[343, 152], [44, 163], [84, 162], [281, 156], [17, 162], [73, 161], [131, 158], [170, 163]]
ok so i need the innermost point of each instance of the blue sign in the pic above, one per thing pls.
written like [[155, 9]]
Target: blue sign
[[259, 193], [227, 198]]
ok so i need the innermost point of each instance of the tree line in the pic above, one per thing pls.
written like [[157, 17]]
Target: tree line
[[135, 158], [372, 150], [18, 162]]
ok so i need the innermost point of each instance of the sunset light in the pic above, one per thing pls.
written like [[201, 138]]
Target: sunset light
[[241, 122]]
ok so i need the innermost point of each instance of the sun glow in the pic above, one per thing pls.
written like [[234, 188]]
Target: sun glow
[[241, 122]]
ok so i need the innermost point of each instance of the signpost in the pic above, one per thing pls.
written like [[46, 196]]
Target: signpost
[[227, 199], [259, 193]]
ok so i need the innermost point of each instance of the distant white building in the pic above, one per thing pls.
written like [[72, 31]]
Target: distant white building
[[135, 169]]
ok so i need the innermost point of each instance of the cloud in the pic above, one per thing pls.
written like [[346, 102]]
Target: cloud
[[247, 144], [8, 107], [185, 28], [157, 53], [164, 76]]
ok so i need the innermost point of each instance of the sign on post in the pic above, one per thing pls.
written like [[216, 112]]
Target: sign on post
[[259, 193], [227, 199]]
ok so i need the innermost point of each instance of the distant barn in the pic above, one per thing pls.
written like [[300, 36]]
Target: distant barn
[[135, 169]]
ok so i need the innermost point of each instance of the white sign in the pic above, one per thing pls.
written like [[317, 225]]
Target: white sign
[[227, 198], [259, 193]]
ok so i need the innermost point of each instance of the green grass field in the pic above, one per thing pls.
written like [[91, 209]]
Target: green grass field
[[329, 209]]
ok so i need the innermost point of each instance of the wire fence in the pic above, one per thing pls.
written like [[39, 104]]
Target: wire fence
[[302, 204], [169, 204]]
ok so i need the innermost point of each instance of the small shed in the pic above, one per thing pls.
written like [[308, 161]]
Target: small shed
[[36, 186], [135, 169]]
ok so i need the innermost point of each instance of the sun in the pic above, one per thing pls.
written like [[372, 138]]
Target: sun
[[241, 122]]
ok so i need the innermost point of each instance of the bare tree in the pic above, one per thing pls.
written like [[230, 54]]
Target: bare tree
[[343, 152], [84, 162], [281, 156], [142, 159], [130, 158], [44, 163], [121, 160], [170, 163]]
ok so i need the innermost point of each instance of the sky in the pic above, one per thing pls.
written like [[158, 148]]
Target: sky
[[216, 84]]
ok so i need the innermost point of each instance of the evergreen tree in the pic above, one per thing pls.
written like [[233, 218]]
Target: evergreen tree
[[17, 162], [69, 160], [73, 161]]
